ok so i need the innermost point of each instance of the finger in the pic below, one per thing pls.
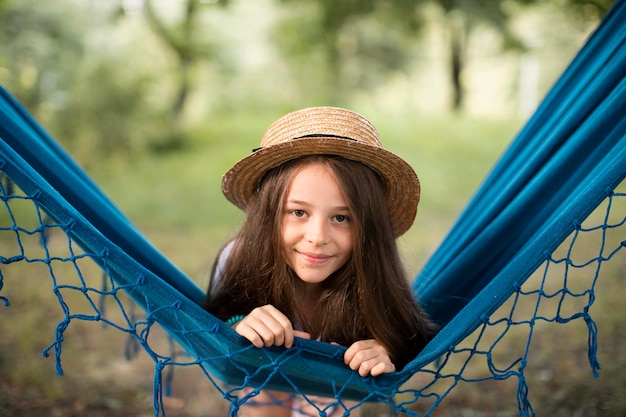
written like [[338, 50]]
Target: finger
[[375, 366], [301, 334], [249, 333], [368, 357], [381, 368], [273, 326], [254, 328], [357, 347], [266, 326], [280, 325]]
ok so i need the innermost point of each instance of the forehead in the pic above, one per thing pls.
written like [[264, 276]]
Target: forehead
[[314, 181]]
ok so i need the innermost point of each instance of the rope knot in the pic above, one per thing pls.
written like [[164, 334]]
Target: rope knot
[[67, 227]]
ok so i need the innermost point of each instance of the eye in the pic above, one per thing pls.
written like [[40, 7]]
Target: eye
[[298, 213], [340, 218]]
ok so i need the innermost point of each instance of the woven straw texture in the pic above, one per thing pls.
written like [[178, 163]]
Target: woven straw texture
[[327, 131]]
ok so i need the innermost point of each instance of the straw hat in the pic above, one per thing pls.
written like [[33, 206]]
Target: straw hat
[[327, 131]]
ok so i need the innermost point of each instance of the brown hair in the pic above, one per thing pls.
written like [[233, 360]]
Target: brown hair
[[369, 297]]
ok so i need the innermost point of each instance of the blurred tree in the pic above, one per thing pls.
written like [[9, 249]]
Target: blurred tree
[[188, 45], [590, 9], [355, 43], [362, 35], [108, 112], [331, 25], [65, 62], [39, 47], [463, 16]]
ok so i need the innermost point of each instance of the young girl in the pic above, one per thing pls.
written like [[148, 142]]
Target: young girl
[[316, 256]]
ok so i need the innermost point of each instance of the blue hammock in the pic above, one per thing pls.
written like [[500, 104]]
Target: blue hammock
[[569, 158]]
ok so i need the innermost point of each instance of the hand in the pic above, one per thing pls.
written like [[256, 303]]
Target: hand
[[369, 357], [266, 326]]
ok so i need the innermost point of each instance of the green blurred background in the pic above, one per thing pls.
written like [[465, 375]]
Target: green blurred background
[[156, 99]]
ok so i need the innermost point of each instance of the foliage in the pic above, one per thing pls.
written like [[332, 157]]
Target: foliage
[[108, 82], [77, 78], [590, 9], [39, 46], [187, 42], [461, 19], [346, 45], [104, 122]]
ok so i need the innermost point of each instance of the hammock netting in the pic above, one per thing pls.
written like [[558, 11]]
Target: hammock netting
[[546, 225]]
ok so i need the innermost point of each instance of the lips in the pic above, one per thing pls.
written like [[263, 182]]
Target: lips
[[314, 258]]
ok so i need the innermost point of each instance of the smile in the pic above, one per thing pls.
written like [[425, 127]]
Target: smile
[[314, 258]]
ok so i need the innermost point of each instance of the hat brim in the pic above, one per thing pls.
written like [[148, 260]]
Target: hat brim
[[402, 185]]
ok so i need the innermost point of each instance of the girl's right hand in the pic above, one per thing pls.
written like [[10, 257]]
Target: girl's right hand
[[266, 326]]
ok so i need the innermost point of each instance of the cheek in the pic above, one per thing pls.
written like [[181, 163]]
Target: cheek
[[286, 233], [347, 243], [289, 236], [285, 245]]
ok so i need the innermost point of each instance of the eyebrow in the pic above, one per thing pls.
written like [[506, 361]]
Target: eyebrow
[[304, 203]]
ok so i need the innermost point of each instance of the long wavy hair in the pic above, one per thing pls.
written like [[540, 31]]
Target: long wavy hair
[[369, 297]]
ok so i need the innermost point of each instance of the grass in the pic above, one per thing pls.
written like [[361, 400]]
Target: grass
[[179, 193], [175, 200]]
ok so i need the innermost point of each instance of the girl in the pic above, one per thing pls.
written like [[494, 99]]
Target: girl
[[316, 256]]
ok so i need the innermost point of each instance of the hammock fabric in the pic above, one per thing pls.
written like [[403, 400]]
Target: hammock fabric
[[567, 161]]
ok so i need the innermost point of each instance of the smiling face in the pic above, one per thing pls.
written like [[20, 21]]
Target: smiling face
[[316, 229]]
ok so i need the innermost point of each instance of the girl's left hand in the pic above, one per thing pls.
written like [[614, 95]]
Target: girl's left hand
[[369, 357]]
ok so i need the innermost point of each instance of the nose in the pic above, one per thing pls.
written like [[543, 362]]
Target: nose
[[316, 231]]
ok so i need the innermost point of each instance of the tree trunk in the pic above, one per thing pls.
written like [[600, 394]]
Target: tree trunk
[[457, 58]]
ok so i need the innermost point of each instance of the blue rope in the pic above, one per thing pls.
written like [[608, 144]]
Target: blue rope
[[567, 160]]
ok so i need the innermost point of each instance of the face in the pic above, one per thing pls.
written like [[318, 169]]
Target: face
[[316, 224]]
